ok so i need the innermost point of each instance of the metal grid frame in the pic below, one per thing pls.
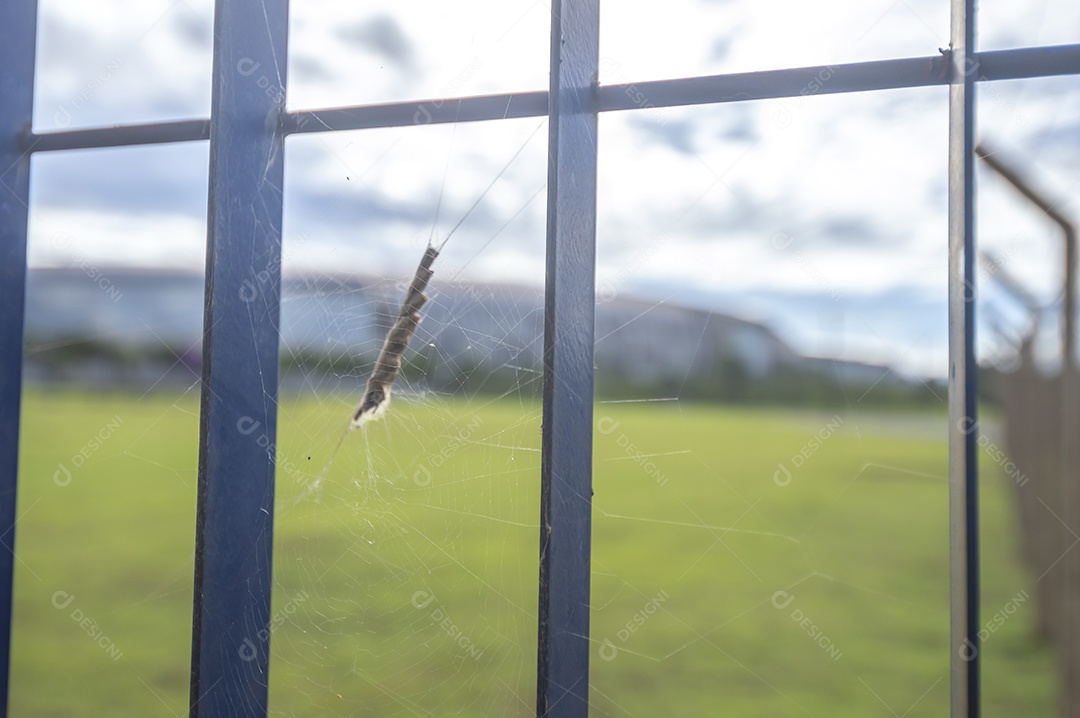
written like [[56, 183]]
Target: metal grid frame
[[248, 125]]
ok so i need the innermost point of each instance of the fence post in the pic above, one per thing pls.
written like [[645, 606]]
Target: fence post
[[1060, 429], [16, 112], [569, 312], [963, 368], [234, 521]]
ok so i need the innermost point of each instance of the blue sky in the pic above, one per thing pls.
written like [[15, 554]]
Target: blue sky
[[823, 217]]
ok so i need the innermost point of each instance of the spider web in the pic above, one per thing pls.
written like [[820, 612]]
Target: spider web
[[406, 544], [405, 565], [406, 568], [405, 575]]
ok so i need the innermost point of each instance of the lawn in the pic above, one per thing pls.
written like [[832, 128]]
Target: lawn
[[746, 562]]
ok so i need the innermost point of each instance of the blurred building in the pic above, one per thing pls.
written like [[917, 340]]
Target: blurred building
[[143, 327]]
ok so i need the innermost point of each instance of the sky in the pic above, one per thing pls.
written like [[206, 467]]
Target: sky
[[823, 217]]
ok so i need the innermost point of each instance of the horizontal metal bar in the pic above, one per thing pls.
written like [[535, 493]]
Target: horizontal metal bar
[[1024, 63], [775, 84], [156, 133], [834, 79], [1029, 62], [424, 112]]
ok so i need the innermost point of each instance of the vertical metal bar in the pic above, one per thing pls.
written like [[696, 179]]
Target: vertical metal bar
[[16, 111], [1070, 491], [963, 429], [234, 524], [569, 314], [1068, 318]]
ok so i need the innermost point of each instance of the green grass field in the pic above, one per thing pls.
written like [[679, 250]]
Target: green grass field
[[746, 562]]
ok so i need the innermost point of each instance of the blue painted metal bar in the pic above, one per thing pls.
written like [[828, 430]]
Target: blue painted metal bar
[[569, 318], [16, 110], [963, 371], [833, 79], [156, 133], [740, 87], [424, 112], [234, 524], [775, 84], [1028, 62]]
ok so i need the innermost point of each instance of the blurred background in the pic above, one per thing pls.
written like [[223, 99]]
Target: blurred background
[[770, 458]]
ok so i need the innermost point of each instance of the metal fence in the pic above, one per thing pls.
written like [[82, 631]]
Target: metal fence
[[247, 129]]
